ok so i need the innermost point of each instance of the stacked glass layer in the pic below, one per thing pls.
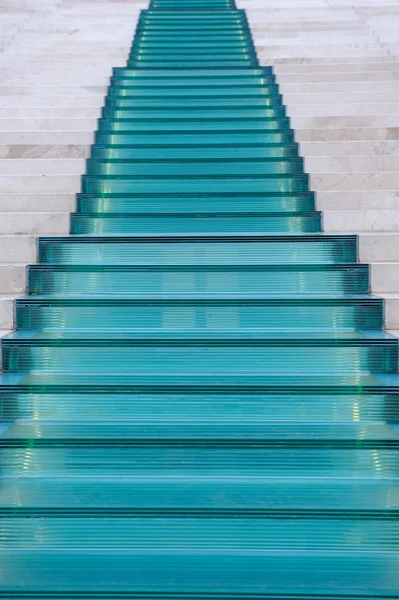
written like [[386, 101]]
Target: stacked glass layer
[[199, 401]]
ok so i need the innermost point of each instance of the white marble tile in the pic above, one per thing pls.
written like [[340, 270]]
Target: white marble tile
[[374, 200], [16, 249], [42, 166], [37, 202], [35, 223], [379, 247], [347, 163], [361, 220], [12, 278], [355, 181], [40, 183]]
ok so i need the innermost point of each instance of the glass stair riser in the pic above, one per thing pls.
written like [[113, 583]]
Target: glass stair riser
[[313, 572], [189, 407], [182, 139], [187, 124], [265, 154], [227, 203], [108, 460], [224, 496], [196, 168], [299, 248], [200, 62], [247, 280], [211, 91], [187, 53], [152, 44], [129, 87], [218, 433], [221, 37], [204, 184], [217, 352], [163, 75], [193, 102], [118, 115], [198, 24], [199, 534], [196, 315], [88, 224], [211, 5]]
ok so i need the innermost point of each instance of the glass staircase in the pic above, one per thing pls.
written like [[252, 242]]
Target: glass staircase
[[199, 401]]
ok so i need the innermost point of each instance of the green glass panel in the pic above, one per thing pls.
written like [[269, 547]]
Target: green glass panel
[[272, 280], [179, 203], [195, 168], [127, 311]]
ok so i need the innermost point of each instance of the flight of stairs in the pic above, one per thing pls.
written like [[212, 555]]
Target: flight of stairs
[[199, 400]]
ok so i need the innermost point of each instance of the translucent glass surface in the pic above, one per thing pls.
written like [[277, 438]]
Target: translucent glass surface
[[199, 401]]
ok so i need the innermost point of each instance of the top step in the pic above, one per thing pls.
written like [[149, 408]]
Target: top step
[[192, 5]]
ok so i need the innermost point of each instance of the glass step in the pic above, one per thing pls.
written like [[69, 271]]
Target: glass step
[[163, 75], [129, 403], [186, 124], [183, 250], [166, 52], [183, 154], [192, 102], [218, 433], [137, 62], [147, 184], [213, 5], [184, 33], [112, 114], [268, 93], [195, 138], [244, 280], [181, 573], [199, 223], [207, 167], [202, 351], [181, 203], [279, 497], [197, 86], [169, 311], [42, 458]]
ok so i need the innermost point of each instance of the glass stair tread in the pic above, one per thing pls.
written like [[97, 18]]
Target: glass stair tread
[[265, 337], [195, 312], [142, 184], [197, 138], [181, 249], [214, 431], [203, 63], [186, 404], [370, 574], [262, 496], [169, 113], [166, 74], [204, 124], [94, 224], [181, 204], [266, 92], [191, 102], [185, 154], [187, 298], [195, 168], [199, 533], [124, 380]]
